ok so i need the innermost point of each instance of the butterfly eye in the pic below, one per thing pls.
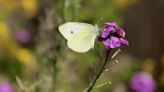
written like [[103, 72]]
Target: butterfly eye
[[71, 32]]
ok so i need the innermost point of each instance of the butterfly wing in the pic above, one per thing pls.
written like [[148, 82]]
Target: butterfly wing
[[80, 36], [69, 29]]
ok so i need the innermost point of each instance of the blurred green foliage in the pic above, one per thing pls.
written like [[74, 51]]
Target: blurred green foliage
[[46, 57]]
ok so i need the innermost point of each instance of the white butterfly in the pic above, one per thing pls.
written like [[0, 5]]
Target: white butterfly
[[80, 36]]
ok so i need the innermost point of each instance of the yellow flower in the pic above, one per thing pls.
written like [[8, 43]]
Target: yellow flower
[[4, 31], [9, 5], [14, 50], [24, 56], [162, 79], [124, 3], [162, 61], [27, 59], [30, 6], [7, 43], [148, 65]]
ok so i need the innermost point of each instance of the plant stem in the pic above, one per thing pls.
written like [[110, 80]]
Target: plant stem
[[100, 72]]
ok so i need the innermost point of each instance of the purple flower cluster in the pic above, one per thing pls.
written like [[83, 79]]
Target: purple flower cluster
[[112, 36], [5, 86], [142, 82], [22, 35]]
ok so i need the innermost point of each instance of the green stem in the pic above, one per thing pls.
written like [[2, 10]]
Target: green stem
[[100, 72]]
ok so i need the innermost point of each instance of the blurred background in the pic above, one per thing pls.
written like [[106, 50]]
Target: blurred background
[[34, 56]]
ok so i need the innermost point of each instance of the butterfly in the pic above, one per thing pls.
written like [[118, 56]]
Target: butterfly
[[80, 36]]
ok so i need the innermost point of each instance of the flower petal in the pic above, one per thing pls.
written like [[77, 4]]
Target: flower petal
[[121, 32], [107, 43], [104, 33], [114, 42], [124, 41], [111, 24]]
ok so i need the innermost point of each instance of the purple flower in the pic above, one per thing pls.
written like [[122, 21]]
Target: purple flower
[[5, 87], [142, 82], [22, 35], [112, 36]]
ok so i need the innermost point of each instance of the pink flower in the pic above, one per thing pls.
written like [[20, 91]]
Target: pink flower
[[5, 86], [22, 35], [142, 82]]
